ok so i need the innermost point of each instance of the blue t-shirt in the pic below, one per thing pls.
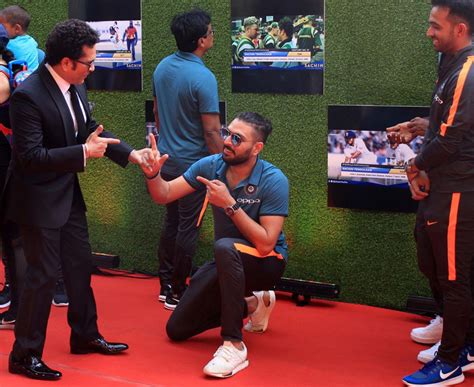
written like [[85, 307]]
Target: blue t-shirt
[[185, 88], [264, 192], [25, 48]]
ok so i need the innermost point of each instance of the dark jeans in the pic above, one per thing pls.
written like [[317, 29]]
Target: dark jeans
[[179, 238], [445, 242], [215, 296]]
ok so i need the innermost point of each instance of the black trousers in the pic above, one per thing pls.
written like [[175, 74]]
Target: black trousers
[[445, 245], [45, 249], [215, 296], [425, 256], [179, 238]]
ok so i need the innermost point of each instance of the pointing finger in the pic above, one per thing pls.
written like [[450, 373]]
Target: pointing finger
[[203, 180], [152, 139], [109, 140]]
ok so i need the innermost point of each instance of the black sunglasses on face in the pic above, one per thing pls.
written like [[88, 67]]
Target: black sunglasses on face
[[234, 138]]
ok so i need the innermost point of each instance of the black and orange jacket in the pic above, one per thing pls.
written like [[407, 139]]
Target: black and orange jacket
[[448, 151]]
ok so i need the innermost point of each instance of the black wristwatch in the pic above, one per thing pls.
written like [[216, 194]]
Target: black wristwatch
[[231, 210]]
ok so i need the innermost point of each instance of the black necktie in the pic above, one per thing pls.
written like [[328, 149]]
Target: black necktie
[[81, 125]]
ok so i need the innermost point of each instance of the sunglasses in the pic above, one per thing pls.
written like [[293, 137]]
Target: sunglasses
[[234, 138]]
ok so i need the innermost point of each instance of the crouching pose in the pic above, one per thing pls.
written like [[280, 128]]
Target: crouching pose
[[249, 197]]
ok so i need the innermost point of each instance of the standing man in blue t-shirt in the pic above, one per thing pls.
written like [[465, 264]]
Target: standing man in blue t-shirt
[[186, 106], [249, 198]]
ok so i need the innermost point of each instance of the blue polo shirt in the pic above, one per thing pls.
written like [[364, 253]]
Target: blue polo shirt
[[264, 192], [185, 88]]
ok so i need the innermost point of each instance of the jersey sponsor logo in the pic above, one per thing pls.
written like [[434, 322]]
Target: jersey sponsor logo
[[431, 222], [248, 201], [444, 376]]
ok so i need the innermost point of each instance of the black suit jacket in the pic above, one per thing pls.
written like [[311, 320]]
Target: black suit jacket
[[46, 154]]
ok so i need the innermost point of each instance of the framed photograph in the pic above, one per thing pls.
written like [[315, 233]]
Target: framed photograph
[[118, 64], [278, 46], [365, 169]]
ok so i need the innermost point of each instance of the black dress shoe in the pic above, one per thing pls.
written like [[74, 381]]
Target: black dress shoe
[[33, 367], [99, 345]]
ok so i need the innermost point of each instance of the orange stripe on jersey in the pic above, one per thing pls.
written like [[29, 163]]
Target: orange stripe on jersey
[[443, 129], [457, 95], [203, 210], [453, 220], [253, 251]]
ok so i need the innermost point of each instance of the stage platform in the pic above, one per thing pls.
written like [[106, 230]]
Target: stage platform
[[325, 344]]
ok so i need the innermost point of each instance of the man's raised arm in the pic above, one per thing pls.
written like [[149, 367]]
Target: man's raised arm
[[162, 191]]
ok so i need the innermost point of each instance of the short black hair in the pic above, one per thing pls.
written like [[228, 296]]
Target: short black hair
[[287, 25], [188, 27], [462, 9], [67, 40], [14, 14], [262, 126]]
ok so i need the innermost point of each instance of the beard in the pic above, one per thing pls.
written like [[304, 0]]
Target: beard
[[233, 159]]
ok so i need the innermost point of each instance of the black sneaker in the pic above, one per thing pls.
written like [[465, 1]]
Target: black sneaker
[[60, 296], [172, 301], [7, 321], [5, 296], [164, 292]]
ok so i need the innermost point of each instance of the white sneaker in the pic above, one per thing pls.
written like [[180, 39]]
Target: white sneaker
[[258, 320], [428, 354], [430, 334], [227, 361]]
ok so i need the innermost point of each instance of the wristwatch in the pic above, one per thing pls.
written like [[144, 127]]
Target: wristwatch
[[231, 210]]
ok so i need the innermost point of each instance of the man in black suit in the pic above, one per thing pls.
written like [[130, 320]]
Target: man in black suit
[[54, 135]]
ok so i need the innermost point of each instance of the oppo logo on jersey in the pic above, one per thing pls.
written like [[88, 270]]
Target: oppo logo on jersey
[[248, 201]]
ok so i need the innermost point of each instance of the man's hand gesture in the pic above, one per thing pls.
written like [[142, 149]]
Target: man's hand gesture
[[150, 160], [96, 146], [405, 132], [217, 193]]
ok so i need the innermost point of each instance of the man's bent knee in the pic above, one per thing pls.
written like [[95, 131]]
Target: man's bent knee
[[173, 331]]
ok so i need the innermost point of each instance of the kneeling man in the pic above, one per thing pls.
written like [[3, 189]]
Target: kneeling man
[[249, 197]]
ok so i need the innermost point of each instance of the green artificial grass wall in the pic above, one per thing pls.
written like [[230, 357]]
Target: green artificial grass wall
[[376, 53]]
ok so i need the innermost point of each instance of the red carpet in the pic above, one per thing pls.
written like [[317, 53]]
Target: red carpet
[[323, 344]]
